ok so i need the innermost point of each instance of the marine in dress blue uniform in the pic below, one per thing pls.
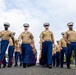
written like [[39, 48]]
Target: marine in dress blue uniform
[[11, 51], [71, 42], [18, 54], [5, 36], [58, 49], [63, 45], [26, 38], [47, 39]]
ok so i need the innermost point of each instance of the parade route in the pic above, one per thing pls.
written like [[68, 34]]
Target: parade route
[[37, 70]]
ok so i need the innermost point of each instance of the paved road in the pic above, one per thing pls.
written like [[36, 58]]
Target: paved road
[[36, 70]]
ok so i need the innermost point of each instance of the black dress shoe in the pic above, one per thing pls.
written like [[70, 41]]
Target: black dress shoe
[[29, 65], [50, 66], [61, 66], [9, 66], [24, 65], [57, 65], [4, 66], [0, 66], [15, 65], [68, 67], [20, 64]]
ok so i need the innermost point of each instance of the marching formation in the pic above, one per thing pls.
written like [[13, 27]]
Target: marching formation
[[51, 55], [25, 51]]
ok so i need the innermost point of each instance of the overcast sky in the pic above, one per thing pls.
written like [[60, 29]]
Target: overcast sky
[[36, 12]]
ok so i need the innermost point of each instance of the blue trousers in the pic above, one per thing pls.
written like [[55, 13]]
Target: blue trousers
[[54, 59], [10, 55], [18, 56], [21, 62], [70, 47], [4, 45], [4, 61], [63, 51], [57, 59], [27, 54], [33, 58], [46, 57]]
